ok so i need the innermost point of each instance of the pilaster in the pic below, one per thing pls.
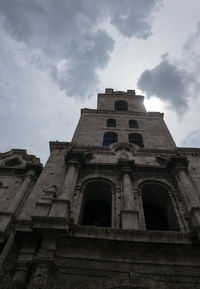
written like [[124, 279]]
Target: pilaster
[[129, 214]]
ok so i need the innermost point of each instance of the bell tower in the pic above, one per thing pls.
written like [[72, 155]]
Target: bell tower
[[121, 117], [118, 207]]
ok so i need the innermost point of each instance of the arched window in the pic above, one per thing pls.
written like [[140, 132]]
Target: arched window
[[109, 138], [136, 138], [111, 122], [158, 209], [97, 204], [121, 105], [133, 123]]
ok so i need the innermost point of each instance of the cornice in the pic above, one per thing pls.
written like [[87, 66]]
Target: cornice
[[18, 161], [59, 145], [189, 151], [124, 113]]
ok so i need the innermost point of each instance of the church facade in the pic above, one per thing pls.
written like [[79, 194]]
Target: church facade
[[118, 207]]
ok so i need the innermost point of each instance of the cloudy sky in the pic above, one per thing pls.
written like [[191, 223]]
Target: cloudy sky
[[55, 56]]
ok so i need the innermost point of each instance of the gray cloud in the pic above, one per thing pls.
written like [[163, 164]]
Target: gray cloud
[[134, 18], [175, 81], [65, 38], [169, 83], [30, 114], [192, 39], [192, 139]]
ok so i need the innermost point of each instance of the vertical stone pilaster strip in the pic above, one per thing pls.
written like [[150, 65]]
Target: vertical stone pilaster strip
[[191, 199], [70, 181], [129, 213], [20, 194], [142, 224], [128, 199]]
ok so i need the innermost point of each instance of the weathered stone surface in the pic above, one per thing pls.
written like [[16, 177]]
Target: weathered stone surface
[[44, 243]]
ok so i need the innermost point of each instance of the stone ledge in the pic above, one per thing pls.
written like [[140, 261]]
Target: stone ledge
[[168, 237], [102, 233], [51, 223]]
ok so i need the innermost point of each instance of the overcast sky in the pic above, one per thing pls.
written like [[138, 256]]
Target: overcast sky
[[55, 56]]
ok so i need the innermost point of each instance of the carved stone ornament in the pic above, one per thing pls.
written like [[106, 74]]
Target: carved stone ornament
[[79, 156], [40, 277], [129, 147], [20, 276]]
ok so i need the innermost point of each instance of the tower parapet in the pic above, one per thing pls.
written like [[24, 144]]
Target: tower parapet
[[128, 99]]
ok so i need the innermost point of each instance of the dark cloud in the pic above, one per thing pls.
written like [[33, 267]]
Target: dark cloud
[[169, 83], [192, 139], [65, 38]]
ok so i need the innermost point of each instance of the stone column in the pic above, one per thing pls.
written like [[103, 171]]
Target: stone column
[[190, 195], [20, 194], [187, 189], [70, 180]]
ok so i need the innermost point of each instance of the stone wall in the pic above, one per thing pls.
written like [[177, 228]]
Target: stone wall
[[92, 126]]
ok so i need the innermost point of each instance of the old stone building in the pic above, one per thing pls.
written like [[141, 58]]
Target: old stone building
[[118, 207]]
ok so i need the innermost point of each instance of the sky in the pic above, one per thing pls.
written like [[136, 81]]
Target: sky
[[55, 56]]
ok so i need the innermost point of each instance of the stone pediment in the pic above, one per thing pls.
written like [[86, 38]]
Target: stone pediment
[[17, 158]]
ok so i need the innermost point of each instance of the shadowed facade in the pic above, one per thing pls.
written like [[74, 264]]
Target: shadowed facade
[[118, 207]]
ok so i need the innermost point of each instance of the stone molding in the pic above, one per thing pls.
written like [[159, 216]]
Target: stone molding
[[126, 235]]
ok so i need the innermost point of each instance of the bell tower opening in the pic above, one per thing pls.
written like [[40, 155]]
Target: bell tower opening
[[159, 213], [121, 105], [97, 204]]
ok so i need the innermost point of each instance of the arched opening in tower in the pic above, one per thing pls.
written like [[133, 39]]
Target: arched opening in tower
[[97, 204], [109, 138], [136, 138], [155, 217], [159, 212], [133, 123], [111, 122], [121, 105]]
